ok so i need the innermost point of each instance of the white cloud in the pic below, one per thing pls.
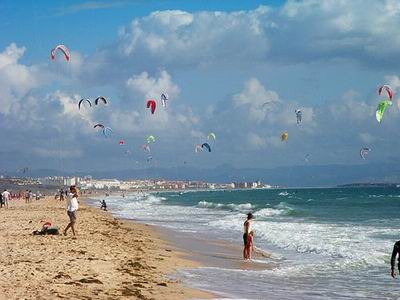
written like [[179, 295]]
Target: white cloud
[[182, 38], [16, 80], [255, 141], [152, 88], [351, 109], [258, 100]]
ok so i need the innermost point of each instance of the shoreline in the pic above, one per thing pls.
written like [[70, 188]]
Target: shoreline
[[109, 258], [207, 251]]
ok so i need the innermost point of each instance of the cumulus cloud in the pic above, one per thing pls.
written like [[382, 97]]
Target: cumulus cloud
[[159, 52], [257, 99], [16, 80], [183, 38], [297, 32], [351, 108]]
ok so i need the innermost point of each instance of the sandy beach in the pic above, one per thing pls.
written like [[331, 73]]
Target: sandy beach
[[108, 259]]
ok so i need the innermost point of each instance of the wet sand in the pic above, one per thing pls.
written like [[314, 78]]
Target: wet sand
[[108, 259], [218, 253]]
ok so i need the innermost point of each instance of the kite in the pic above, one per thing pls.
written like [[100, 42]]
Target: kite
[[151, 139], [380, 111], [107, 131], [198, 148], [284, 136], [206, 145], [388, 90], [121, 142], [98, 125], [212, 136], [299, 115], [364, 152], [152, 105], [164, 99], [146, 148], [84, 100], [63, 49], [96, 102]]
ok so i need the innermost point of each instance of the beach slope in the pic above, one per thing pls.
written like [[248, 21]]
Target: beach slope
[[109, 258]]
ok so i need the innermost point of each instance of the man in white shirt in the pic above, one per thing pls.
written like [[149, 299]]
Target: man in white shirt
[[6, 196]]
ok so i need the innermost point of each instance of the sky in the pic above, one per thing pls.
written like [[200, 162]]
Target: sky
[[219, 62]]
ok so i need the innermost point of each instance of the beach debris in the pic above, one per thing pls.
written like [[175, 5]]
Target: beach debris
[[90, 280], [84, 100], [152, 105], [364, 152], [206, 145], [61, 48]]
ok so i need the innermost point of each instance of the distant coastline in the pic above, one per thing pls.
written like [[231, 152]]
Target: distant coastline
[[369, 185]]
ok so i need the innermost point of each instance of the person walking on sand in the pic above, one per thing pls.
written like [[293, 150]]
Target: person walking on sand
[[247, 229], [72, 208], [30, 196], [5, 197], [26, 196], [61, 195]]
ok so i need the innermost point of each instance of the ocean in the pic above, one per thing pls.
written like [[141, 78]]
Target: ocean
[[326, 243]]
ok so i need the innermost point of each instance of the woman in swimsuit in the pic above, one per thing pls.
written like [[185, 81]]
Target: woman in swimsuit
[[247, 229]]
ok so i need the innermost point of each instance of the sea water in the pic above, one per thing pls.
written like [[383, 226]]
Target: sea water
[[329, 243]]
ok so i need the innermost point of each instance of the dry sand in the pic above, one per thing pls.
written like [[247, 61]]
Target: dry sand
[[108, 259]]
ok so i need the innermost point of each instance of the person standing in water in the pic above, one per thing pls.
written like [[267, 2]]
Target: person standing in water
[[395, 252], [72, 209], [247, 229]]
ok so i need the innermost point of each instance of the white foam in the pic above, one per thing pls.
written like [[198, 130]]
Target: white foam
[[244, 207]]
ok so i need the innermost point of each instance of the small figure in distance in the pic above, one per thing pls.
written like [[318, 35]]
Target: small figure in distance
[[395, 252], [103, 205]]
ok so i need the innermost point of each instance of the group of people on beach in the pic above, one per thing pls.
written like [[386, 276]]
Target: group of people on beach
[[7, 195]]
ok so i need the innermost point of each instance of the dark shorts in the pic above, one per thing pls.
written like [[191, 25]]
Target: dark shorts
[[72, 216], [245, 239]]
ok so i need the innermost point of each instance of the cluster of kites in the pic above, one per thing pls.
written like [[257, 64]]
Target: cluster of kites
[[387, 93], [385, 90], [151, 104]]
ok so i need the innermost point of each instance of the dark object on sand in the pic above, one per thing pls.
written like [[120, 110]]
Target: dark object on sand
[[47, 229]]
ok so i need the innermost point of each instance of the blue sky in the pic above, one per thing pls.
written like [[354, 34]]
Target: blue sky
[[219, 61]]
